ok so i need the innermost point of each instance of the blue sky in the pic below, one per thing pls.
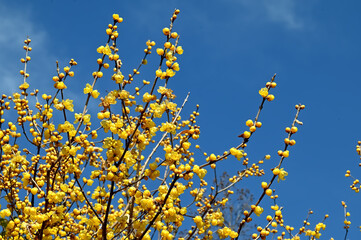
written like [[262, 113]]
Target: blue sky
[[232, 48]]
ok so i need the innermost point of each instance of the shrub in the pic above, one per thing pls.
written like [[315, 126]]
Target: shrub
[[128, 170]]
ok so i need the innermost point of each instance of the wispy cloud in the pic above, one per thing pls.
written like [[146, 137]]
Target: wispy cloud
[[15, 26], [279, 11], [283, 11]]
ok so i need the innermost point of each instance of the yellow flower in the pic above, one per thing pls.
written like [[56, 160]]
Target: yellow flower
[[158, 73], [166, 31], [123, 94], [79, 116], [88, 89], [24, 86], [86, 118], [106, 125], [282, 175], [175, 66], [270, 97], [168, 127], [160, 51], [7, 148], [99, 74], [258, 211], [172, 106], [179, 50], [170, 73], [66, 127], [5, 213], [263, 92], [115, 17], [237, 153], [107, 50], [68, 104], [158, 109], [118, 77], [197, 219], [202, 173], [95, 94], [147, 97], [60, 85], [100, 49]]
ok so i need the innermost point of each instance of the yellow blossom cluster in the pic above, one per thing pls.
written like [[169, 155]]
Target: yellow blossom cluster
[[125, 167]]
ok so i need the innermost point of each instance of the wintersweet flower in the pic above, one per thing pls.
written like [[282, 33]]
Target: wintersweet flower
[[88, 88], [148, 97], [160, 51], [24, 86], [170, 73], [5, 213], [282, 174], [104, 50], [68, 104], [168, 127], [7, 148], [107, 50], [179, 50], [258, 211], [270, 97], [263, 92], [100, 49], [60, 85], [118, 77], [95, 94], [137, 189]]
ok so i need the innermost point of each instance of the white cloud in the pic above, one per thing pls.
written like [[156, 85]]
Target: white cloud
[[280, 11], [283, 11], [15, 26]]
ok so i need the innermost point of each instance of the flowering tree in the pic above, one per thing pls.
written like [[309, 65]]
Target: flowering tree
[[129, 170]]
